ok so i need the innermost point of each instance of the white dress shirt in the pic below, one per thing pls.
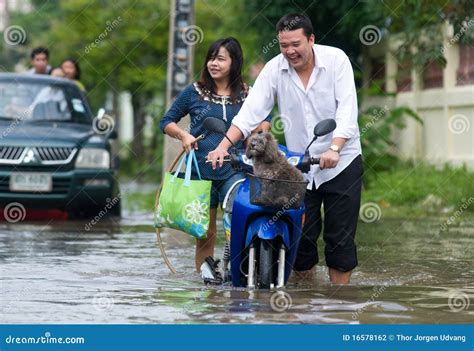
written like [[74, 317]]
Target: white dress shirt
[[330, 93]]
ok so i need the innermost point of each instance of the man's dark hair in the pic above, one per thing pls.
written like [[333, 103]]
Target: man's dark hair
[[39, 50], [294, 21]]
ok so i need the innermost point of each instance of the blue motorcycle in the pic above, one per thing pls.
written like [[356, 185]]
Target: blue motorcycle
[[262, 236]]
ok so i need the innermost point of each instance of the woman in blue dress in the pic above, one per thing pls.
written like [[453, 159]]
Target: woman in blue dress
[[219, 93]]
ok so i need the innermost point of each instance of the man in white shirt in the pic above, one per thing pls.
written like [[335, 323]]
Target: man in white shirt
[[311, 83]]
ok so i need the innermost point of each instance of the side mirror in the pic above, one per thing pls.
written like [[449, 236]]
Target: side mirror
[[216, 125], [100, 113], [113, 134], [324, 127]]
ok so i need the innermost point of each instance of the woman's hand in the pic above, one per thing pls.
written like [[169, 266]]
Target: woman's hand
[[216, 157], [188, 141]]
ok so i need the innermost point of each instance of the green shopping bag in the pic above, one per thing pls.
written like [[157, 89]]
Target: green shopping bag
[[184, 203]]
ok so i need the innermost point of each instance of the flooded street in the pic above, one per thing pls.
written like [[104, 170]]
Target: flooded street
[[57, 272]]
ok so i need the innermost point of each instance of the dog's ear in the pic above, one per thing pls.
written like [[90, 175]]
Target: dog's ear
[[247, 152], [247, 148], [271, 149], [270, 138]]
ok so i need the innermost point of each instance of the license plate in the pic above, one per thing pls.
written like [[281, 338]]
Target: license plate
[[41, 182]]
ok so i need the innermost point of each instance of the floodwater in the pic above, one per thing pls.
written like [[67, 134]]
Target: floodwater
[[58, 272]]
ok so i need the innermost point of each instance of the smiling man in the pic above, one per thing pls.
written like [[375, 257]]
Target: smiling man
[[311, 83]]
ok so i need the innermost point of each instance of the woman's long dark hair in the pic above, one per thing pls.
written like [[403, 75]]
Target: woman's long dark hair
[[235, 78], [76, 64]]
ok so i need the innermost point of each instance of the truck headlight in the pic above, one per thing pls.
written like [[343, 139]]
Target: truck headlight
[[93, 158]]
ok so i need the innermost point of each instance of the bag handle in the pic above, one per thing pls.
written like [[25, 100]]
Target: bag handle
[[196, 165], [187, 176], [180, 165]]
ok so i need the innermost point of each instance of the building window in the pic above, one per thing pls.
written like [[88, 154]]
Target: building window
[[465, 73], [377, 74], [432, 75], [404, 77]]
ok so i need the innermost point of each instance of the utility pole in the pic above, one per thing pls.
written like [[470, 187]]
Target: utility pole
[[180, 65]]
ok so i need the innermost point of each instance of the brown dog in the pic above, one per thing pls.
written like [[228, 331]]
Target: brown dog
[[270, 163]]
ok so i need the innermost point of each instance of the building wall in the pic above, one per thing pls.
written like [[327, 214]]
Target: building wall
[[444, 99]]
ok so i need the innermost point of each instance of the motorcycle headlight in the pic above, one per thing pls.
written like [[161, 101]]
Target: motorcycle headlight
[[93, 158]]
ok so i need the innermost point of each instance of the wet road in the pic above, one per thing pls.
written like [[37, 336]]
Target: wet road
[[57, 272]]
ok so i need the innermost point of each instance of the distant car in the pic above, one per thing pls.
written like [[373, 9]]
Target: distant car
[[53, 152]]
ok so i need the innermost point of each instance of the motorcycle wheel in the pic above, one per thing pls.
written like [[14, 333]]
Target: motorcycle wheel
[[266, 264]]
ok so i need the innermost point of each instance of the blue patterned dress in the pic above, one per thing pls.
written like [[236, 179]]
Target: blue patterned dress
[[199, 106]]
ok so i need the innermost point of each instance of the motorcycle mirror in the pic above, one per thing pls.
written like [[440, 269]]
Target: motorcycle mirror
[[100, 113], [216, 125], [324, 127]]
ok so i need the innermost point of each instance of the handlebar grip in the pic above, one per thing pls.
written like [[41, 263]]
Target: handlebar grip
[[314, 160], [227, 159]]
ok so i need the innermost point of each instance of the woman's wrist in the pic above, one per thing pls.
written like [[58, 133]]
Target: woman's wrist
[[181, 134]]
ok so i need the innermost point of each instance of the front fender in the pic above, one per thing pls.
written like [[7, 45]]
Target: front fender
[[266, 229]]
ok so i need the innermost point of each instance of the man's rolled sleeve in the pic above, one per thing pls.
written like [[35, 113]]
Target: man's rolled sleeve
[[346, 99], [258, 103]]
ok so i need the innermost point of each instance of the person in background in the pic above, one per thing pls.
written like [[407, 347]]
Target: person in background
[[72, 71], [57, 72], [49, 95], [39, 61]]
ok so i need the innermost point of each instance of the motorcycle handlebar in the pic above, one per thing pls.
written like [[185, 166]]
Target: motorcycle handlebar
[[312, 160]]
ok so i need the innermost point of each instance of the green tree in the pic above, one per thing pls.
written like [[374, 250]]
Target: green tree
[[120, 45]]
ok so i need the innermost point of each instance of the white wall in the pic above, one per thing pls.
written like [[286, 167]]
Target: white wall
[[447, 134]]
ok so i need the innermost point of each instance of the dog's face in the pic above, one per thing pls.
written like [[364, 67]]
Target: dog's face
[[256, 145], [259, 144]]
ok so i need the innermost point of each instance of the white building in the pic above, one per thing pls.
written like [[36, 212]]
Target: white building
[[443, 97]]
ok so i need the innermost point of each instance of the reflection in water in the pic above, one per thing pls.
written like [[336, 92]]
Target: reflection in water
[[409, 272]]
